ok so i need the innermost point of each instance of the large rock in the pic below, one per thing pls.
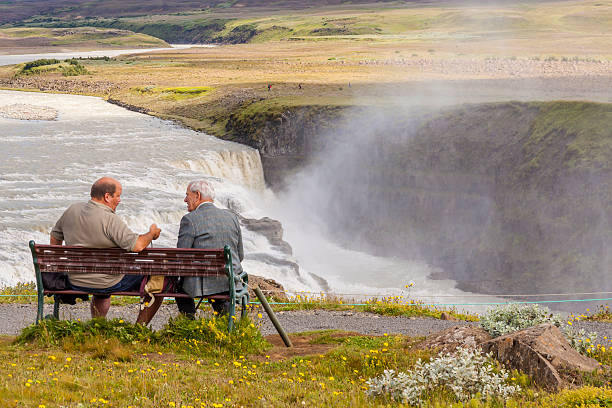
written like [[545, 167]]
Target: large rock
[[543, 353], [455, 337], [269, 228], [269, 287]]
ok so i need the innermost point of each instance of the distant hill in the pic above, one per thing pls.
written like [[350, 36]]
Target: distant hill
[[12, 11]]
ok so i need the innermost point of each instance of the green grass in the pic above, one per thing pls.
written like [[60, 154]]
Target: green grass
[[174, 93], [113, 363], [389, 306]]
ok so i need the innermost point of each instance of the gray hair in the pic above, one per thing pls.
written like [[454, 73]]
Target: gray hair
[[205, 189]]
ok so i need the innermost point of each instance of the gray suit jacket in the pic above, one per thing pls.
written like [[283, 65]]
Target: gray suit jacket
[[209, 227]]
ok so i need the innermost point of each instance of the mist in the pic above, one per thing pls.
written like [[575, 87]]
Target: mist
[[442, 192]]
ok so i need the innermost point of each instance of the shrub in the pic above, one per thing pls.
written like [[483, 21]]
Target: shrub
[[39, 63], [515, 317], [74, 68], [466, 373]]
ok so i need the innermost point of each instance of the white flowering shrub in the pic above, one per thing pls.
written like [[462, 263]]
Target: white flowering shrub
[[514, 317], [466, 373]]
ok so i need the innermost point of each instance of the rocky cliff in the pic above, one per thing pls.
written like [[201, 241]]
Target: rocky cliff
[[506, 197]]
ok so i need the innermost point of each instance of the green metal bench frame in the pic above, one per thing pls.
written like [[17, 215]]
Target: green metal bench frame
[[151, 261]]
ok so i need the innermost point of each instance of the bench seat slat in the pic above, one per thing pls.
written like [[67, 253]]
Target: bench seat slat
[[163, 294], [118, 252], [148, 271], [100, 265], [139, 262]]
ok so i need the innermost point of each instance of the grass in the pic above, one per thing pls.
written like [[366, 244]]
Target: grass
[[386, 306], [601, 314], [195, 363], [176, 93]]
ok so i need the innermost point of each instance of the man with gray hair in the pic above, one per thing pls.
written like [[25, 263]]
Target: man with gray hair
[[208, 227]]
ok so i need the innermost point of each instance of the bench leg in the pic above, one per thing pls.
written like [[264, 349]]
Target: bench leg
[[232, 312], [41, 303], [56, 306], [244, 301]]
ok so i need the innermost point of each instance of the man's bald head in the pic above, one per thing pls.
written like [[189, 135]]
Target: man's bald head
[[104, 185]]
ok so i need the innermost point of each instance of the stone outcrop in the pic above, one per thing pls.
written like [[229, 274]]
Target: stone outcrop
[[269, 228], [542, 352], [269, 287], [455, 337], [287, 138], [273, 231]]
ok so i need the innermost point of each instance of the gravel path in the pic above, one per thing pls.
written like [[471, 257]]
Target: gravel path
[[14, 317]]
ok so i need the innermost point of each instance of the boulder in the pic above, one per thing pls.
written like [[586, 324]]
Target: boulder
[[269, 287], [269, 228], [543, 353], [454, 337]]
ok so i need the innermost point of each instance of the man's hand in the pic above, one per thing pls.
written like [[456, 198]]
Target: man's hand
[[144, 240], [154, 231]]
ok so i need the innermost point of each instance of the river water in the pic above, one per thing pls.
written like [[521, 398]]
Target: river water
[[10, 59]]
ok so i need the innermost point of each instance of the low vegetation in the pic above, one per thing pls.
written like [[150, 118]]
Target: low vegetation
[[70, 67], [466, 375], [511, 318], [197, 363], [173, 93]]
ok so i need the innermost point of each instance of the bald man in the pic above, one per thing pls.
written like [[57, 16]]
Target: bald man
[[95, 225]]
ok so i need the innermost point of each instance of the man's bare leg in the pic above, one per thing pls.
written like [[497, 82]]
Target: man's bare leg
[[147, 313], [100, 306]]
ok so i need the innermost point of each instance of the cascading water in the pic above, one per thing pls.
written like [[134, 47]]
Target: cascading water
[[47, 165]]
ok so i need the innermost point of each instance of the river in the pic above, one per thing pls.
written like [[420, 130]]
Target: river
[[10, 59]]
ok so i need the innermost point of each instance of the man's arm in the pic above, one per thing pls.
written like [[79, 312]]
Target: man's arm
[[55, 241], [240, 247], [186, 234], [145, 239]]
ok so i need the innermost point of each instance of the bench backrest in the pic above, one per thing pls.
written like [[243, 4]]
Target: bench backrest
[[115, 261]]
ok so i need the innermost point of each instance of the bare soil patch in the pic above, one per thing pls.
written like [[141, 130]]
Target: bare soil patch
[[303, 345]]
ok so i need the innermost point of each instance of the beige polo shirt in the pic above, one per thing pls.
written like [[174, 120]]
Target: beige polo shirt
[[93, 225]]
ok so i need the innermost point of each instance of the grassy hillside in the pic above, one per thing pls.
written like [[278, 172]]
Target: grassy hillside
[[469, 25], [80, 37], [17, 10]]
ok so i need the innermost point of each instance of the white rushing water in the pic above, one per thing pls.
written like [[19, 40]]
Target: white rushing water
[[47, 165]]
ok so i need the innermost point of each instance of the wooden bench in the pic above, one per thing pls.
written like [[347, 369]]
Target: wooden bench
[[151, 261]]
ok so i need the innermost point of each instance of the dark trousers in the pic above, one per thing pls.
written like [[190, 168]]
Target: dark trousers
[[186, 306]]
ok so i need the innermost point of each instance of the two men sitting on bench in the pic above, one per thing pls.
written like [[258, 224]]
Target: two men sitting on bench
[[95, 225]]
